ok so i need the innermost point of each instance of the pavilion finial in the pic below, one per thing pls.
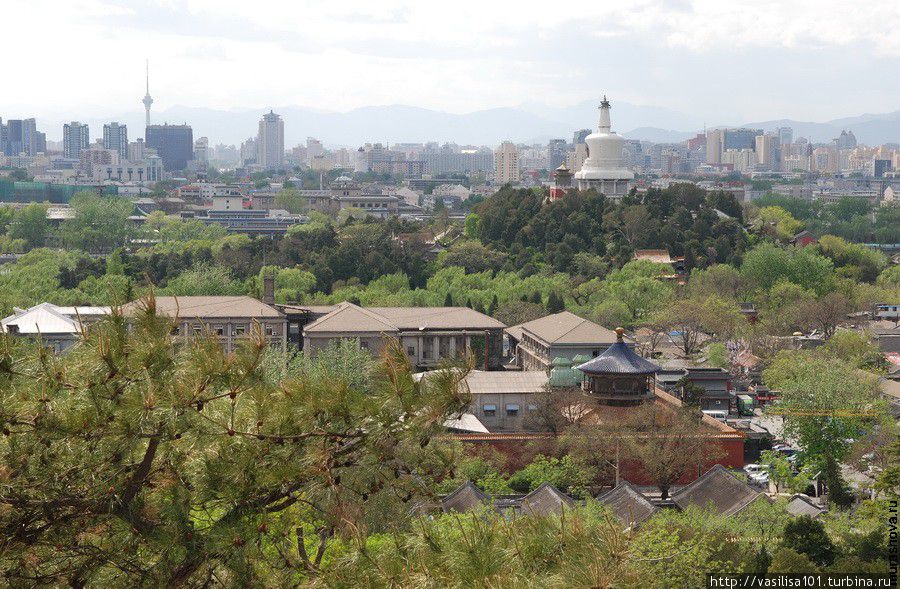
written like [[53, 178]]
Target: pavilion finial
[[620, 334]]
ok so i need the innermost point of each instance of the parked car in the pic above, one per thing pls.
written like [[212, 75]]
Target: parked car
[[760, 479], [752, 469]]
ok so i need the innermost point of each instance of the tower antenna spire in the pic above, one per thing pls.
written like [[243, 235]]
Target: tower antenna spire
[[148, 101]]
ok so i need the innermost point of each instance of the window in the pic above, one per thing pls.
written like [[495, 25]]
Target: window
[[512, 410], [532, 407], [238, 330], [410, 350], [489, 410], [364, 345], [220, 331], [270, 330]]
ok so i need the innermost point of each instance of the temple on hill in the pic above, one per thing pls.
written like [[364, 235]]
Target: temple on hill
[[604, 170]]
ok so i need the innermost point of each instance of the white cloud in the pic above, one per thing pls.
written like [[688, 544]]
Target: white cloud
[[735, 58]]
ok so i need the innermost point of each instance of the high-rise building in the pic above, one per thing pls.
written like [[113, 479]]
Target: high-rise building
[[580, 135], [741, 138], [76, 137], [30, 139], [173, 143], [768, 151], [2, 137], [270, 142], [201, 151], [314, 149], [785, 135], [115, 137], [248, 151], [93, 158], [506, 163], [14, 137], [847, 140], [137, 150], [715, 145], [556, 152]]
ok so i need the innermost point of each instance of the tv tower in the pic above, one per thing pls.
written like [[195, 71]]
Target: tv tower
[[147, 100]]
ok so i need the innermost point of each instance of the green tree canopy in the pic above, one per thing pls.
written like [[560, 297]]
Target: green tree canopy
[[100, 223], [136, 460], [30, 225]]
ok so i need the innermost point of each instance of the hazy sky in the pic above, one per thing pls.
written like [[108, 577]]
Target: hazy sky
[[730, 60]]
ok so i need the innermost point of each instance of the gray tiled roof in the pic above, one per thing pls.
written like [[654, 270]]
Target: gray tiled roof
[[565, 328], [208, 307], [545, 500], [628, 504], [719, 490], [619, 359], [466, 497], [351, 318], [801, 505], [528, 381]]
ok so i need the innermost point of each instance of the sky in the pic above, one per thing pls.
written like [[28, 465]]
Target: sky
[[726, 60]]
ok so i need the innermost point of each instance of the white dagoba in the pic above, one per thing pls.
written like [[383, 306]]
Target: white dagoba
[[604, 169]]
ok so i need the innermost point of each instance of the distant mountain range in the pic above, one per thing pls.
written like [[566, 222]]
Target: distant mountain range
[[529, 122]]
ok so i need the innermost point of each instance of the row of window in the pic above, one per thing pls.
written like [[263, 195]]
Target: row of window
[[512, 410], [219, 330]]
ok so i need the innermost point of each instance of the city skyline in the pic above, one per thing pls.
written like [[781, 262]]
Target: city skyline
[[684, 56]]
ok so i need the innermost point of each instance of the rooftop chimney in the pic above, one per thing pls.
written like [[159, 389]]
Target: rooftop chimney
[[268, 289]]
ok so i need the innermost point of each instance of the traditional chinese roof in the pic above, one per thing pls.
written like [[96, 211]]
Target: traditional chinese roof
[[544, 500], [718, 490], [207, 307], [619, 359], [348, 317], [465, 498], [802, 505], [628, 504], [564, 329]]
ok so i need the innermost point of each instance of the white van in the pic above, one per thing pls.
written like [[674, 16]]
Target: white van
[[716, 414]]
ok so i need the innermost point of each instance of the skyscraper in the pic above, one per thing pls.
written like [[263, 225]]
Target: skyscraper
[[76, 137], [506, 163], [14, 137], [785, 135], [715, 145], [30, 139], [173, 143], [148, 102], [270, 142], [115, 137], [768, 151], [741, 138], [556, 152], [580, 135], [314, 149]]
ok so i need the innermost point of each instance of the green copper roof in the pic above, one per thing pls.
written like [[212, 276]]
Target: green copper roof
[[565, 377]]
